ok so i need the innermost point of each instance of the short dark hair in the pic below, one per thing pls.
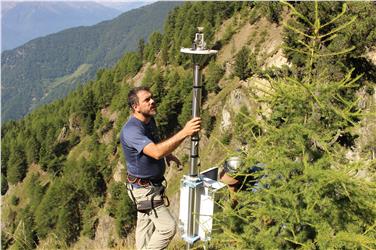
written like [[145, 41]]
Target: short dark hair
[[132, 95]]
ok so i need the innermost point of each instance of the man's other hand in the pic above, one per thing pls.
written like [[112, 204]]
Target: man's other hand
[[192, 126], [173, 160]]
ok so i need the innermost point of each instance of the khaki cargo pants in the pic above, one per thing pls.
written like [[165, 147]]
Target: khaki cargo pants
[[156, 227]]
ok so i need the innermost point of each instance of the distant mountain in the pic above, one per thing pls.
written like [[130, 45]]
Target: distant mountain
[[23, 21], [125, 6], [47, 68]]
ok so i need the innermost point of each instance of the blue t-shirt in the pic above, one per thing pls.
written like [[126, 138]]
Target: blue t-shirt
[[135, 135]]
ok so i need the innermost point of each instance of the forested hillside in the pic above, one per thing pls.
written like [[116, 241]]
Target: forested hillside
[[47, 68], [292, 86]]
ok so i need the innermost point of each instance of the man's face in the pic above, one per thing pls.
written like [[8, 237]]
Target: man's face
[[146, 104]]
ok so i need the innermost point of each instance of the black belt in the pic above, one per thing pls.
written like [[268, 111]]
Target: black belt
[[144, 182], [157, 189]]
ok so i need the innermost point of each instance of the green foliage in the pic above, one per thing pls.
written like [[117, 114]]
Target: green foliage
[[90, 220], [115, 190], [229, 32], [275, 72], [157, 86], [32, 148], [125, 216], [53, 165], [186, 111], [207, 122], [14, 200], [119, 101], [213, 76], [24, 236], [48, 211], [68, 222], [61, 208], [153, 46], [127, 66], [307, 197], [254, 16], [5, 146], [100, 162], [17, 165], [355, 29], [173, 111], [105, 88], [241, 68], [262, 38], [141, 48], [226, 138], [85, 177], [242, 129], [148, 77], [122, 209], [4, 185], [273, 11], [35, 191]]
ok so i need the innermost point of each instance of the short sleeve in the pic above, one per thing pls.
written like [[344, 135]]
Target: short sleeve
[[135, 137]]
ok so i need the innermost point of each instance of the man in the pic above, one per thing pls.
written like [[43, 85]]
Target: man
[[144, 155], [238, 178]]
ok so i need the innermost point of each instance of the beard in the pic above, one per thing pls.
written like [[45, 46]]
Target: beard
[[149, 112]]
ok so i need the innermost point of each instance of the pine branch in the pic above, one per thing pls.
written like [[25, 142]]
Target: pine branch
[[371, 228], [296, 50], [297, 13], [344, 8], [329, 38], [295, 242], [345, 51], [341, 114], [305, 45], [338, 28], [309, 91], [297, 31]]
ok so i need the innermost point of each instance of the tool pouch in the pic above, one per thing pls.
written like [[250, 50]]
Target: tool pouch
[[149, 201]]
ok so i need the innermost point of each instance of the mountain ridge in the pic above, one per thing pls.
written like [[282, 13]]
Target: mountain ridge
[[60, 54], [24, 21]]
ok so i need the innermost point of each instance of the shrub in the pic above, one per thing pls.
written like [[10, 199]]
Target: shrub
[[14, 200]]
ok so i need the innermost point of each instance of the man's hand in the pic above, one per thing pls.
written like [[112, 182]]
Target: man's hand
[[192, 126], [173, 160]]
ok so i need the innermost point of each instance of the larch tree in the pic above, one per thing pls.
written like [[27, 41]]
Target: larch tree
[[308, 195]]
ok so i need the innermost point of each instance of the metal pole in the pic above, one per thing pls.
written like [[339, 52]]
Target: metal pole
[[191, 219], [198, 54], [195, 139], [196, 106]]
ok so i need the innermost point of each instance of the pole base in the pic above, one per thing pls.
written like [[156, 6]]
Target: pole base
[[192, 181], [190, 240]]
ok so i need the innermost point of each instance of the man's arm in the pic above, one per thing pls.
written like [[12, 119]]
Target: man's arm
[[160, 150]]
